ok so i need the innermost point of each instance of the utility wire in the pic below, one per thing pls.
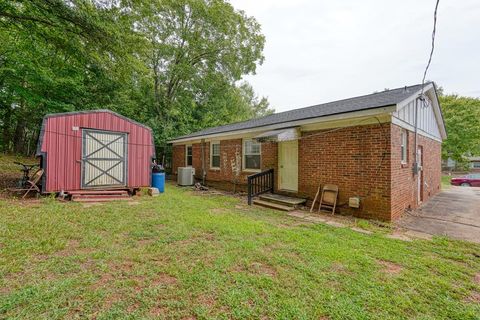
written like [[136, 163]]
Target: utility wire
[[433, 45], [322, 132]]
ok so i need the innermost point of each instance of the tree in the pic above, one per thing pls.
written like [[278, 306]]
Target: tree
[[462, 120], [55, 57], [198, 51], [173, 65]]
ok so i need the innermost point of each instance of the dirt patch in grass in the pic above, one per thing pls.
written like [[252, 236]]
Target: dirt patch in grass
[[133, 307], [104, 281], [207, 301], [72, 246], [115, 271], [158, 311], [476, 279], [145, 242], [5, 290], [163, 279], [262, 269], [474, 297], [111, 299], [207, 236], [390, 267]]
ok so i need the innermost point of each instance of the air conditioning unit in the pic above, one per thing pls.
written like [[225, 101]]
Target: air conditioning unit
[[185, 176]]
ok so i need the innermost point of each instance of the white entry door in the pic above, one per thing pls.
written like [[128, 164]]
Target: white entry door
[[288, 165], [104, 159]]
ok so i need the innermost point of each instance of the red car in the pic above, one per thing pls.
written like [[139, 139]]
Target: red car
[[470, 180]]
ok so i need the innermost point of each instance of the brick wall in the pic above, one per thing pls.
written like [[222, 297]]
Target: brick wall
[[363, 161], [357, 159], [230, 175], [404, 182], [178, 158]]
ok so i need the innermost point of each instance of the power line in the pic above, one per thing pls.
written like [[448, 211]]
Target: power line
[[433, 45], [323, 132]]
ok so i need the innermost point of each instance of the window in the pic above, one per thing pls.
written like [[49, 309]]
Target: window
[[215, 155], [189, 156], [476, 165], [251, 155], [404, 146]]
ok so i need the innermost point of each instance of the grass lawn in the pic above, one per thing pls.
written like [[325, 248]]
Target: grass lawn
[[446, 181], [184, 256]]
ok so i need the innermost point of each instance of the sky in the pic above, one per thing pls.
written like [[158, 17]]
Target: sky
[[318, 51]]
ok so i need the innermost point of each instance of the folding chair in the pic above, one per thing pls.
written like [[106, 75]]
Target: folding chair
[[329, 197], [33, 182]]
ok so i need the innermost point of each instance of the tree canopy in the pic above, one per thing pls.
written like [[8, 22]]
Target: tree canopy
[[462, 120], [176, 66]]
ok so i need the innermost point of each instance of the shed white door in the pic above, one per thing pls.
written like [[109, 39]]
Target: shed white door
[[104, 159], [288, 165]]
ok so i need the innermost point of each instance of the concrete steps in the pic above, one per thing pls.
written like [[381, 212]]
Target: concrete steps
[[273, 205], [279, 202]]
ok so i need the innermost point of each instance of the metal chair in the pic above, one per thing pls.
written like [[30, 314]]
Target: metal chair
[[32, 184]]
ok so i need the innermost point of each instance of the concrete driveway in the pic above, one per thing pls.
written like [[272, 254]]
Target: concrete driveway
[[454, 212]]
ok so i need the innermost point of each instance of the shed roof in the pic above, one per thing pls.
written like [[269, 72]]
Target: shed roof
[[72, 113], [370, 101]]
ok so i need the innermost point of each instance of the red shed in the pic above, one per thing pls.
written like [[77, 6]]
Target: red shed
[[96, 149]]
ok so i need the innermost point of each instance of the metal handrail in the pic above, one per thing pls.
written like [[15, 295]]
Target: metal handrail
[[259, 183]]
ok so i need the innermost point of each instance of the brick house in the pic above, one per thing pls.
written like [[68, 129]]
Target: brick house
[[367, 145]]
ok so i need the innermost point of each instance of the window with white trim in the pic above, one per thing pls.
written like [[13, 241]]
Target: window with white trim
[[251, 155], [215, 155], [404, 146], [189, 156]]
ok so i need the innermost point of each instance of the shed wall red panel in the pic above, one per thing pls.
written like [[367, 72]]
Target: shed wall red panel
[[61, 146]]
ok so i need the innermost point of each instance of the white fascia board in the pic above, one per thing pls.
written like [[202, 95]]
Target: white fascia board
[[347, 115], [436, 107], [438, 114]]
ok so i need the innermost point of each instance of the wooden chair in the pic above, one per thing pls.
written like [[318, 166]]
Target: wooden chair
[[329, 197], [32, 184]]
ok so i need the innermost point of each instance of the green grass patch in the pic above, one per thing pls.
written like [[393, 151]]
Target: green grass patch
[[446, 181], [182, 255]]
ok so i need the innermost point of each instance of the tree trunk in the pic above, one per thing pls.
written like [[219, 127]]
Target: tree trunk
[[6, 136], [18, 136]]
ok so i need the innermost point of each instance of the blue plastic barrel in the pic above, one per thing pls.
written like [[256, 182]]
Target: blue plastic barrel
[[158, 181]]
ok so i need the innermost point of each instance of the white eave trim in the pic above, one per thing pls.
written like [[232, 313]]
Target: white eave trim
[[289, 124]]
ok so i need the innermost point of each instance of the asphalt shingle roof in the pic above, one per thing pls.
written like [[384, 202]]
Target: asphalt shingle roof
[[370, 101]]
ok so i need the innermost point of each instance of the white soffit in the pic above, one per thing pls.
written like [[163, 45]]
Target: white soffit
[[279, 135]]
